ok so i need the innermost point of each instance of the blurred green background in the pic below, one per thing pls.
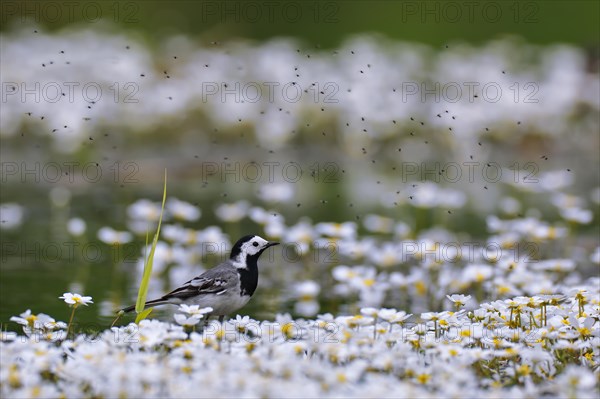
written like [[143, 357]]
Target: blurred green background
[[327, 23]]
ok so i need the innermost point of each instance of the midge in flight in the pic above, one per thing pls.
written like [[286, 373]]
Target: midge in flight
[[226, 287]]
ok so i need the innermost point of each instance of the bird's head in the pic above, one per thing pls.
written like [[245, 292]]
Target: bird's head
[[249, 246]]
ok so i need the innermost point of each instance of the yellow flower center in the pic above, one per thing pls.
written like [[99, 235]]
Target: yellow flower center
[[511, 352], [288, 330], [503, 289], [524, 369], [186, 369], [584, 331]]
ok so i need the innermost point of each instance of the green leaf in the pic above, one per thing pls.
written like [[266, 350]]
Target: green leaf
[[141, 316], [143, 291]]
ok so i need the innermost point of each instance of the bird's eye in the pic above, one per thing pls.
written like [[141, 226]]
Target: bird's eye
[[255, 244]]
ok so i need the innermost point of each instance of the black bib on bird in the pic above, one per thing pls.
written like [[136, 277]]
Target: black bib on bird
[[249, 276]]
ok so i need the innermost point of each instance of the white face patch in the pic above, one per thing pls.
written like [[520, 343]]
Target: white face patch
[[255, 245], [251, 247]]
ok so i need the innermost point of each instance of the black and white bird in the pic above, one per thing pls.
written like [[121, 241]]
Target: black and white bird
[[226, 287]]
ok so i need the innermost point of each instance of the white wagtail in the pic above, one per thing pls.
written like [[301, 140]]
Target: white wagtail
[[226, 287]]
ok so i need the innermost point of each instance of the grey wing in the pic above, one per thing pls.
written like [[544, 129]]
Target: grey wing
[[216, 281]]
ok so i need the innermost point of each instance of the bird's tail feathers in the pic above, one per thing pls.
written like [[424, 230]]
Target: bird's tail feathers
[[148, 304]]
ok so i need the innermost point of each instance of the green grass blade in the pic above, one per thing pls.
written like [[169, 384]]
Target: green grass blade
[[143, 291], [141, 316]]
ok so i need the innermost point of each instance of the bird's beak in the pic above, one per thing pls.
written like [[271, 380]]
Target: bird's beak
[[271, 243]]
